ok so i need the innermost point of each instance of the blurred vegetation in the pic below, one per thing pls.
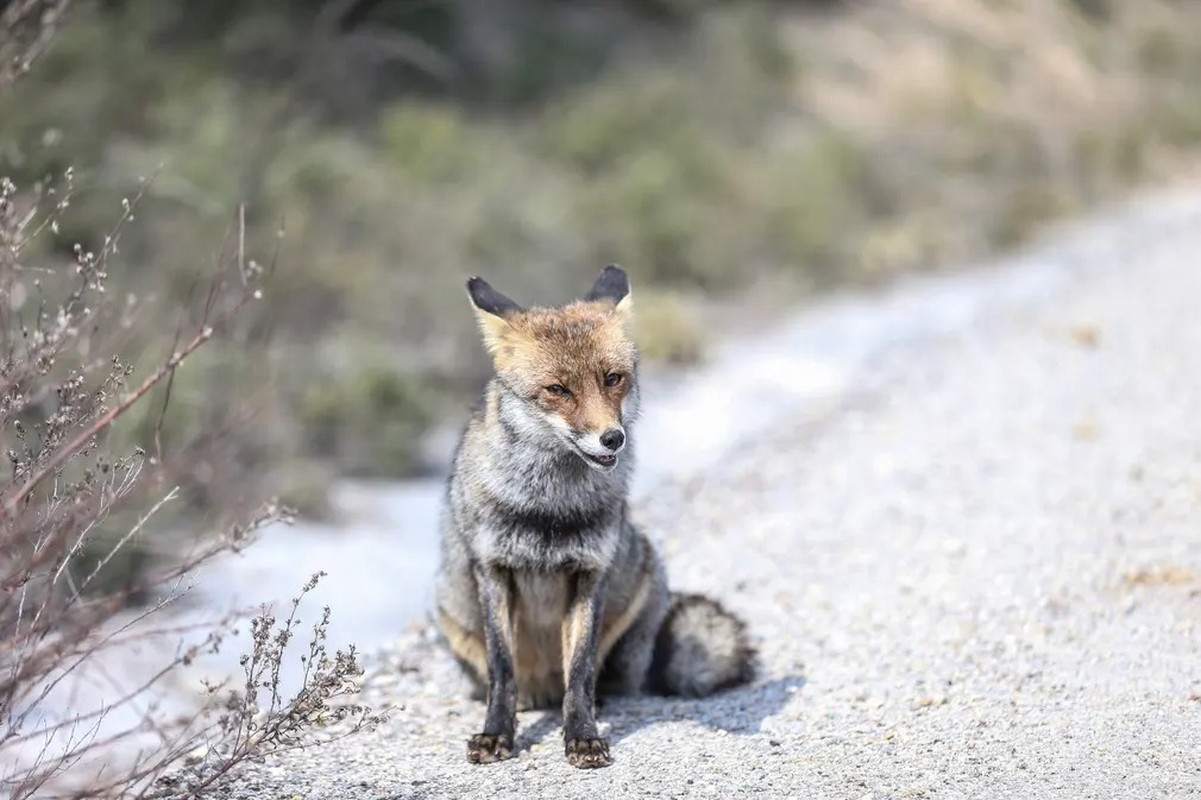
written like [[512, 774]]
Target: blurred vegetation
[[717, 149]]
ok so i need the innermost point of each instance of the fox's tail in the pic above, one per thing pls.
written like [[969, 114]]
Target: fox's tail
[[701, 649]]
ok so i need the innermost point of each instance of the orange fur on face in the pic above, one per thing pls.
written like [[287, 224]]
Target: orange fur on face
[[575, 347]]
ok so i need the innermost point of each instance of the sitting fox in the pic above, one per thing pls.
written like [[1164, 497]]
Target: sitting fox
[[546, 589]]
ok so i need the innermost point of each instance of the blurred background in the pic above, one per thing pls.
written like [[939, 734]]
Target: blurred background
[[739, 158], [736, 156]]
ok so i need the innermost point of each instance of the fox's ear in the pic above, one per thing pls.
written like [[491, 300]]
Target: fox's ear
[[612, 285], [492, 310], [490, 301]]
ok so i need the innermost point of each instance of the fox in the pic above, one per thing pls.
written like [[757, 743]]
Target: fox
[[546, 592]]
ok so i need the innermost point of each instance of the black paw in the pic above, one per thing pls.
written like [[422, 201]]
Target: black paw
[[588, 753], [485, 748]]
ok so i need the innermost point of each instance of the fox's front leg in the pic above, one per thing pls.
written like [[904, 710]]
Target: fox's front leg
[[496, 603], [581, 630]]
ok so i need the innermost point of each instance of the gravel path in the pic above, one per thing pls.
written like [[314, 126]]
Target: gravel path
[[976, 573]]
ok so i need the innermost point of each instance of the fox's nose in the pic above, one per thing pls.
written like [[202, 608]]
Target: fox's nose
[[613, 439]]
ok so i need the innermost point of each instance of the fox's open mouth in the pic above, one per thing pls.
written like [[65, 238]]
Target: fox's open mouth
[[606, 462]]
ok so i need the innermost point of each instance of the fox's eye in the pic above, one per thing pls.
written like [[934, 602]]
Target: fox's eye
[[558, 390], [613, 378]]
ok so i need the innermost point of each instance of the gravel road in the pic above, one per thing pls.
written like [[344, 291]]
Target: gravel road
[[976, 572]]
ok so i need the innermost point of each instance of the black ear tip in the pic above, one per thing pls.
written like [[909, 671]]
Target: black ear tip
[[488, 299], [477, 287], [616, 276], [612, 284]]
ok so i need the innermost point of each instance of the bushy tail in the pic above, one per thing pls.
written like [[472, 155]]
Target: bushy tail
[[701, 649]]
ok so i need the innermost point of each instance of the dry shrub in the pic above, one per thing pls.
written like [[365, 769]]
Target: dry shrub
[[76, 503]]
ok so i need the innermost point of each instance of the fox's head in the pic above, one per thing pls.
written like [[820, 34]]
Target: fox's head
[[572, 368]]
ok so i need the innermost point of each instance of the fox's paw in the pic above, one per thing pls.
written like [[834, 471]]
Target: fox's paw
[[588, 753], [485, 748]]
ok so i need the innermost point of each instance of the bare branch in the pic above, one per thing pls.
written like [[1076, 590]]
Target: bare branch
[[26, 27]]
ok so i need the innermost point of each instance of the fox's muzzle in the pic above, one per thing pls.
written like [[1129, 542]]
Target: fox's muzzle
[[601, 450]]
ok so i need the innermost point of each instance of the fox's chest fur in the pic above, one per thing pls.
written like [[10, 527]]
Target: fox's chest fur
[[529, 508]]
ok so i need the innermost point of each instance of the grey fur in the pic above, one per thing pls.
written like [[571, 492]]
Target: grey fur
[[701, 649]]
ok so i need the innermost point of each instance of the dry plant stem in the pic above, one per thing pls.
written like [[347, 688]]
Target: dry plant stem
[[78, 644], [106, 419], [26, 27], [251, 730], [165, 370], [18, 239]]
